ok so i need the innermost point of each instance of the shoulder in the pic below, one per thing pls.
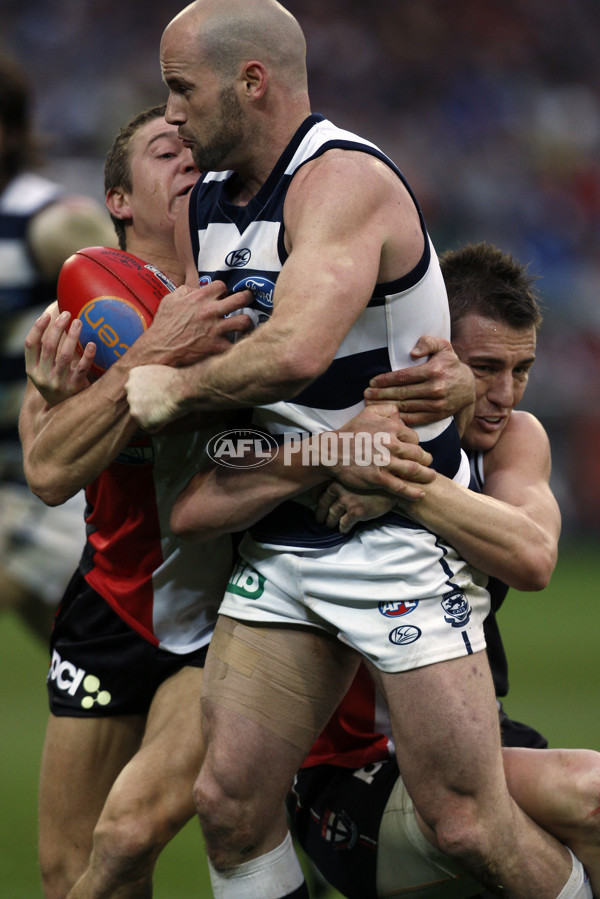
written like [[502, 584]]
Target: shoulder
[[523, 425], [523, 441], [357, 171], [353, 192]]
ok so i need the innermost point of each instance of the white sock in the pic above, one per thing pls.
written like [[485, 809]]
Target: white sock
[[271, 876], [578, 885]]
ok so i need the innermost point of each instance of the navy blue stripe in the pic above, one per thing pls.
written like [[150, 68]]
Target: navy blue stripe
[[14, 226], [12, 368], [445, 450], [468, 646], [345, 380], [409, 280], [292, 524]]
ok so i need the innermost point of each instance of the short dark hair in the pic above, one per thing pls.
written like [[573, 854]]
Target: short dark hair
[[484, 280], [20, 148], [117, 167]]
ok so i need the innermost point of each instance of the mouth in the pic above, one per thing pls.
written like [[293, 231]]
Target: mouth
[[491, 422], [185, 190], [186, 141]]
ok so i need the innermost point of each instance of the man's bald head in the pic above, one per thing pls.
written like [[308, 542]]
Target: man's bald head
[[229, 32]]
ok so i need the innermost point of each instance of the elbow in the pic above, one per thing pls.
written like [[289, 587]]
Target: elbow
[[51, 489], [535, 571], [187, 520], [182, 525], [296, 374]]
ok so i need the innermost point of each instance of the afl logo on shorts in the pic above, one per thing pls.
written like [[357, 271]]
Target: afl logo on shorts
[[405, 634], [113, 324], [396, 609]]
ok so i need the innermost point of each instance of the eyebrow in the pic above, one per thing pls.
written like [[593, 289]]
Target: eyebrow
[[480, 357], [171, 135]]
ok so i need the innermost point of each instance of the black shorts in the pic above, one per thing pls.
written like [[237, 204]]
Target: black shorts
[[514, 733], [100, 666], [335, 814]]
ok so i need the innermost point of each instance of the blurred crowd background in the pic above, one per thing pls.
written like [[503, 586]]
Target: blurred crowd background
[[491, 109]]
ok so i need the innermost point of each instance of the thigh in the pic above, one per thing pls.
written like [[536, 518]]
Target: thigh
[[157, 782], [446, 730], [268, 692], [80, 761]]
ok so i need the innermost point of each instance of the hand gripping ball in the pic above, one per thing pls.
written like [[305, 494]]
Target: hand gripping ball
[[115, 295]]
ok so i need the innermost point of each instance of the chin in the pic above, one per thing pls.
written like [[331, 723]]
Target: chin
[[480, 441]]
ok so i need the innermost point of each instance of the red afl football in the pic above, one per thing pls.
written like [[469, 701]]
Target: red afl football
[[115, 295]]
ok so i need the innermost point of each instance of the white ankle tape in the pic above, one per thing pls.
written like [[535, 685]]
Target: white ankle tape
[[270, 876]]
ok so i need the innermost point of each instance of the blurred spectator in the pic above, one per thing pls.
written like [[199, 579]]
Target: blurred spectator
[[40, 226]]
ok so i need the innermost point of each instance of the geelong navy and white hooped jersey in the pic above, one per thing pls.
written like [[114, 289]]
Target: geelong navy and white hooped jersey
[[244, 247], [24, 295]]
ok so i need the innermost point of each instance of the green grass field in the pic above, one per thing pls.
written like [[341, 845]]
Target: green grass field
[[553, 644]]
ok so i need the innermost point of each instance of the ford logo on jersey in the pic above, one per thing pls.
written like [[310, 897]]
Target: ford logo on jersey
[[238, 258], [262, 289], [395, 609], [405, 634]]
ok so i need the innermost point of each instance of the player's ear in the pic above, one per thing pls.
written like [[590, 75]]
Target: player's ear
[[117, 203], [254, 79]]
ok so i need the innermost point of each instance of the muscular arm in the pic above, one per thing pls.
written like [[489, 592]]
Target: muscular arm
[[221, 500], [66, 445], [510, 531], [345, 219]]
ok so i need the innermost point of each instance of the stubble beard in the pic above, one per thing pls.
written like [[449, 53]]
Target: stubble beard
[[226, 137]]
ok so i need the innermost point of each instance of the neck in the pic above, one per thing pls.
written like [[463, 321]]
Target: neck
[[160, 253], [274, 134]]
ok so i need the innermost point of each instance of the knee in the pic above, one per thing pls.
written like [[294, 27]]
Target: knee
[[466, 824], [583, 813], [56, 882], [128, 842], [60, 865], [460, 831], [229, 817]]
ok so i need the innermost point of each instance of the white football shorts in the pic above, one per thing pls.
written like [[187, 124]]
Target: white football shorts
[[398, 595]]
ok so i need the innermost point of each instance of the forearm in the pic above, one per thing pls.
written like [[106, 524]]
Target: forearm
[[500, 539], [226, 500], [231, 499], [66, 446], [266, 367]]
